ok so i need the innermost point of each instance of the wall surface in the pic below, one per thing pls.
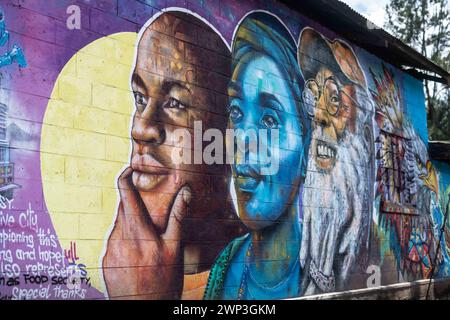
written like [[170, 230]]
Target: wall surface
[[125, 172]]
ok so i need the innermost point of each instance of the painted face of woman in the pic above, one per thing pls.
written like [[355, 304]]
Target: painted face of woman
[[261, 98]]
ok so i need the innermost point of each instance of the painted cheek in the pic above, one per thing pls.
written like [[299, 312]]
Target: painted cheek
[[321, 115], [331, 132], [340, 124]]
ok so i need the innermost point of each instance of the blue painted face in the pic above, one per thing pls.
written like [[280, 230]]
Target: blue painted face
[[261, 98]]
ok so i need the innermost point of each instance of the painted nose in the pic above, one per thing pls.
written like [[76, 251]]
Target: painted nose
[[321, 115], [246, 145], [147, 126]]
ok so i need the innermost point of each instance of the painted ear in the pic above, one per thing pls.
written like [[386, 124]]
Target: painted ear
[[348, 62]]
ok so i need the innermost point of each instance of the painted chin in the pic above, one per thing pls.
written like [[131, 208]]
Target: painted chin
[[147, 181], [255, 219], [325, 155]]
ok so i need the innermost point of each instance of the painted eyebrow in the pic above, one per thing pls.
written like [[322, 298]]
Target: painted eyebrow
[[264, 96], [167, 85]]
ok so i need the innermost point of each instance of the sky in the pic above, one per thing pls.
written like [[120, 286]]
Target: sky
[[372, 10]]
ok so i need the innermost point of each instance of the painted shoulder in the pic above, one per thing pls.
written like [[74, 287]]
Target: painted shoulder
[[214, 286]]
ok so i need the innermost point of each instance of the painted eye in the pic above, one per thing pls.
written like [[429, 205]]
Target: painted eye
[[173, 103], [235, 113], [140, 100], [334, 99], [270, 122]]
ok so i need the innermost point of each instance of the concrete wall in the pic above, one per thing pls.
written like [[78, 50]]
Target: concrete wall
[[115, 176]]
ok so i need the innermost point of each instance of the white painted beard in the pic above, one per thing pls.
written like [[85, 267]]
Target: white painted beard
[[335, 211]]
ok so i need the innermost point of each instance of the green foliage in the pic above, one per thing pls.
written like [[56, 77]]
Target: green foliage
[[406, 20], [425, 26], [439, 119]]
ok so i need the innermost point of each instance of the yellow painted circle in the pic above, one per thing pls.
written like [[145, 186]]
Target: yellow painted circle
[[85, 144]]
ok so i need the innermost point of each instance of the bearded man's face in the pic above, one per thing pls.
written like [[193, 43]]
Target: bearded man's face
[[334, 219], [333, 111]]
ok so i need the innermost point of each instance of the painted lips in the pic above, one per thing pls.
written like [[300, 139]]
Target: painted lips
[[247, 178], [147, 172], [325, 155]]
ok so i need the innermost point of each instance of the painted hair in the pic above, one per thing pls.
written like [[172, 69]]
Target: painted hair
[[262, 34]]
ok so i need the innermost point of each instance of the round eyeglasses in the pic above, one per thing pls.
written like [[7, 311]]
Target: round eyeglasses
[[332, 94]]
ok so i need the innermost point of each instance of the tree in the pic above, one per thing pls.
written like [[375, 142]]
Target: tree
[[425, 26]]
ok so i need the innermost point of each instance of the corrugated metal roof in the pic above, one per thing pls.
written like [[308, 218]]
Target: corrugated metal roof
[[342, 19]]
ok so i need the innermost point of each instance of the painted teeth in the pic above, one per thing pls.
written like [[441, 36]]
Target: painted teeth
[[324, 151]]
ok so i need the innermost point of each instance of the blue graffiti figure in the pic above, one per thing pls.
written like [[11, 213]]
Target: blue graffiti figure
[[15, 55], [264, 94]]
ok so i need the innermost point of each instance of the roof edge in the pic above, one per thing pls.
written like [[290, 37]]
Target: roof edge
[[342, 19]]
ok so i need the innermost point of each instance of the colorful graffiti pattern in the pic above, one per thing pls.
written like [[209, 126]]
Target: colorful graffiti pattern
[[15, 55], [336, 96], [407, 184]]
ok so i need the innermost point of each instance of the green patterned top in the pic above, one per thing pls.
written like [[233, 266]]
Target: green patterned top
[[214, 286]]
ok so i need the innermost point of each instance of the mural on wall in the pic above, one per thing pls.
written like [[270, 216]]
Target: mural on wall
[[120, 133], [15, 55], [265, 82], [165, 206], [407, 186], [446, 228], [31, 264], [336, 225]]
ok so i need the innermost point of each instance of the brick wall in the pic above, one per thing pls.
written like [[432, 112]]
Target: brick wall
[[104, 99]]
